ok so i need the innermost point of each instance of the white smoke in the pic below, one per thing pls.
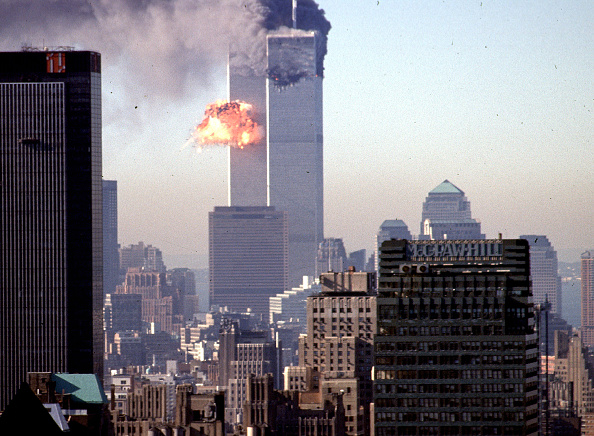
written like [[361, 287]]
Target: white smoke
[[162, 45]]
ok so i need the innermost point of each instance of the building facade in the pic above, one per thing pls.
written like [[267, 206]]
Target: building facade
[[51, 238], [295, 144], [248, 257], [331, 256], [338, 347], [544, 270], [587, 275], [111, 255], [456, 349]]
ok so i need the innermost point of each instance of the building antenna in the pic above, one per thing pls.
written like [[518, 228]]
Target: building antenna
[[294, 14]]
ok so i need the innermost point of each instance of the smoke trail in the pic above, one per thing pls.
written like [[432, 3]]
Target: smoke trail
[[161, 43]]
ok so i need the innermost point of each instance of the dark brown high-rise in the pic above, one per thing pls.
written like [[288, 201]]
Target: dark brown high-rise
[[51, 215]]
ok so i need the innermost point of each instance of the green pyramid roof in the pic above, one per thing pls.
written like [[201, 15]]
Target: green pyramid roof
[[446, 187], [84, 388]]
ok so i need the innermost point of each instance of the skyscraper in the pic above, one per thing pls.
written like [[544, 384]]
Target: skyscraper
[[390, 229], [588, 298], [331, 256], [51, 233], [546, 283], [111, 255], [455, 350], [446, 215], [248, 256], [295, 144], [247, 166]]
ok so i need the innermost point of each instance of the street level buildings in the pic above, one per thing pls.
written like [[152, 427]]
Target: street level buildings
[[456, 349], [51, 279]]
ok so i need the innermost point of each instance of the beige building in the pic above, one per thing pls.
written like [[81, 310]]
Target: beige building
[[574, 367], [338, 347]]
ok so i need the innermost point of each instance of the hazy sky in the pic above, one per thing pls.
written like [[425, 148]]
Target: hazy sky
[[497, 97]]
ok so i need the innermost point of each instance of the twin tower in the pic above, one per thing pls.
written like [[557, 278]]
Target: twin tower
[[266, 239]]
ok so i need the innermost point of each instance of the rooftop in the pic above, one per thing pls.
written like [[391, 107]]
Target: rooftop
[[84, 388], [446, 187]]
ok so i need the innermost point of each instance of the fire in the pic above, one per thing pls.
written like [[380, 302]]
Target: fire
[[227, 123]]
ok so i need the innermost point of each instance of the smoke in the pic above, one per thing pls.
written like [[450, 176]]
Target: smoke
[[161, 46]]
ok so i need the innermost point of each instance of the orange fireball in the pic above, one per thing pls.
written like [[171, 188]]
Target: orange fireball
[[227, 123]]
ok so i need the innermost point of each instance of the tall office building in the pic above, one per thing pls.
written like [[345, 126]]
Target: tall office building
[[248, 257], [331, 256], [295, 144], [546, 282], [247, 166], [390, 229], [456, 349], [111, 255], [588, 298], [446, 215], [141, 256], [51, 234]]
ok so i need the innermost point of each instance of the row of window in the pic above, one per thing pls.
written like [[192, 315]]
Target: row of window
[[466, 401], [448, 374], [449, 416], [424, 388]]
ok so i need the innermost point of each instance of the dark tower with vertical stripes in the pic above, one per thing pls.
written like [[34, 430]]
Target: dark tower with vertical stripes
[[51, 215]]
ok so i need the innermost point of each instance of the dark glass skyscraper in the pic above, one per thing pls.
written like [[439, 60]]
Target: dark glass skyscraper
[[455, 350], [51, 215]]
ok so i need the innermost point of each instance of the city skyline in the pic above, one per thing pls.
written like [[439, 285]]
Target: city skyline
[[494, 98]]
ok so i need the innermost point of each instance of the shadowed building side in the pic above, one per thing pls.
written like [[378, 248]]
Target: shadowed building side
[[51, 241]]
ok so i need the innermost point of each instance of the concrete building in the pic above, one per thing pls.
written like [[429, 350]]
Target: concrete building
[[141, 256], [290, 305], [572, 386], [290, 413], [122, 312], [161, 307], [544, 270], [51, 280], [241, 353], [248, 257], [338, 347], [456, 349], [446, 215], [587, 275]]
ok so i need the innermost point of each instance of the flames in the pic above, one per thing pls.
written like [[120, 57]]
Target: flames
[[227, 123]]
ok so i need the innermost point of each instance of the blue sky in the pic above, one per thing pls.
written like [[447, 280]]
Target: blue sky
[[497, 97]]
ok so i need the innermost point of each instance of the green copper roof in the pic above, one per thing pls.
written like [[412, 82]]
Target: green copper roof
[[446, 187], [85, 388]]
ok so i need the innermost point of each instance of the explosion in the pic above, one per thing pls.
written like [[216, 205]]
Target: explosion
[[227, 123]]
